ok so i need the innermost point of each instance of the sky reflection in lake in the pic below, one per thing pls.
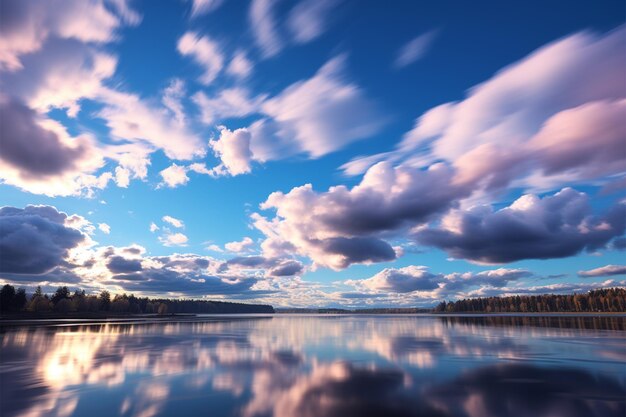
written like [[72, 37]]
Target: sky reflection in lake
[[288, 366]]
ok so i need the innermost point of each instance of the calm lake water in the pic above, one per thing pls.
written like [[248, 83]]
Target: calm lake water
[[301, 366]]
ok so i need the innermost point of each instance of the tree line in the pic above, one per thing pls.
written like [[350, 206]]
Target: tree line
[[608, 300], [64, 301]]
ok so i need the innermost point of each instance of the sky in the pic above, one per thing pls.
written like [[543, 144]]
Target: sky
[[313, 152]]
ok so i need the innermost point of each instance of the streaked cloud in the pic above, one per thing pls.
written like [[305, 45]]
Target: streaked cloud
[[415, 49], [604, 271], [205, 51]]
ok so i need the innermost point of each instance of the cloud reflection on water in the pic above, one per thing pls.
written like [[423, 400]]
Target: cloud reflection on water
[[314, 366]]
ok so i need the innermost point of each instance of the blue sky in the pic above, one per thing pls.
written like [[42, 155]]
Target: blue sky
[[452, 149]]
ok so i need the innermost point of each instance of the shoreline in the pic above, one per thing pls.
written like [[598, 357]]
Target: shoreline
[[130, 317]]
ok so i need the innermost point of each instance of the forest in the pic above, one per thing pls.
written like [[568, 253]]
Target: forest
[[607, 300], [63, 301]]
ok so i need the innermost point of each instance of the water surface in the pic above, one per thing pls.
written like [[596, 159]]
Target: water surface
[[301, 366]]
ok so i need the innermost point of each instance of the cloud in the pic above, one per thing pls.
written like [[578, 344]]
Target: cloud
[[273, 267], [403, 280], [41, 245], [233, 149], [308, 116], [172, 96], [415, 49], [263, 23], [173, 239], [153, 227], [132, 119], [32, 148], [344, 226], [228, 103], [119, 264], [604, 271], [25, 26], [60, 76], [173, 275], [174, 175], [200, 7], [309, 18], [38, 155], [555, 226], [173, 221], [619, 243], [240, 66], [286, 268], [239, 246], [418, 279], [35, 240], [104, 228], [324, 113], [531, 125], [205, 52]]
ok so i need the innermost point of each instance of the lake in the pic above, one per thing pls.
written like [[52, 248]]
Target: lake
[[304, 366]]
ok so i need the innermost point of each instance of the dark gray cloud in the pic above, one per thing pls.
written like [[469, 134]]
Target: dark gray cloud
[[163, 281], [34, 240], [343, 226], [286, 268], [275, 266], [358, 250], [27, 146], [531, 228], [58, 275], [619, 243], [119, 264]]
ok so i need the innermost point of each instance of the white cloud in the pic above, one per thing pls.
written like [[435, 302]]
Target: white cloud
[[173, 239], [131, 118], [104, 228], [531, 124], [419, 281], [415, 49], [403, 280], [213, 247], [233, 149], [153, 227], [264, 26], [174, 175], [243, 245], [200, 7], [309, 18], [59, 76], [172, 97], [323, 113], [205, 52], [173, 221], [603, 271], [230, 102], [25, 25], [240, 66]]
